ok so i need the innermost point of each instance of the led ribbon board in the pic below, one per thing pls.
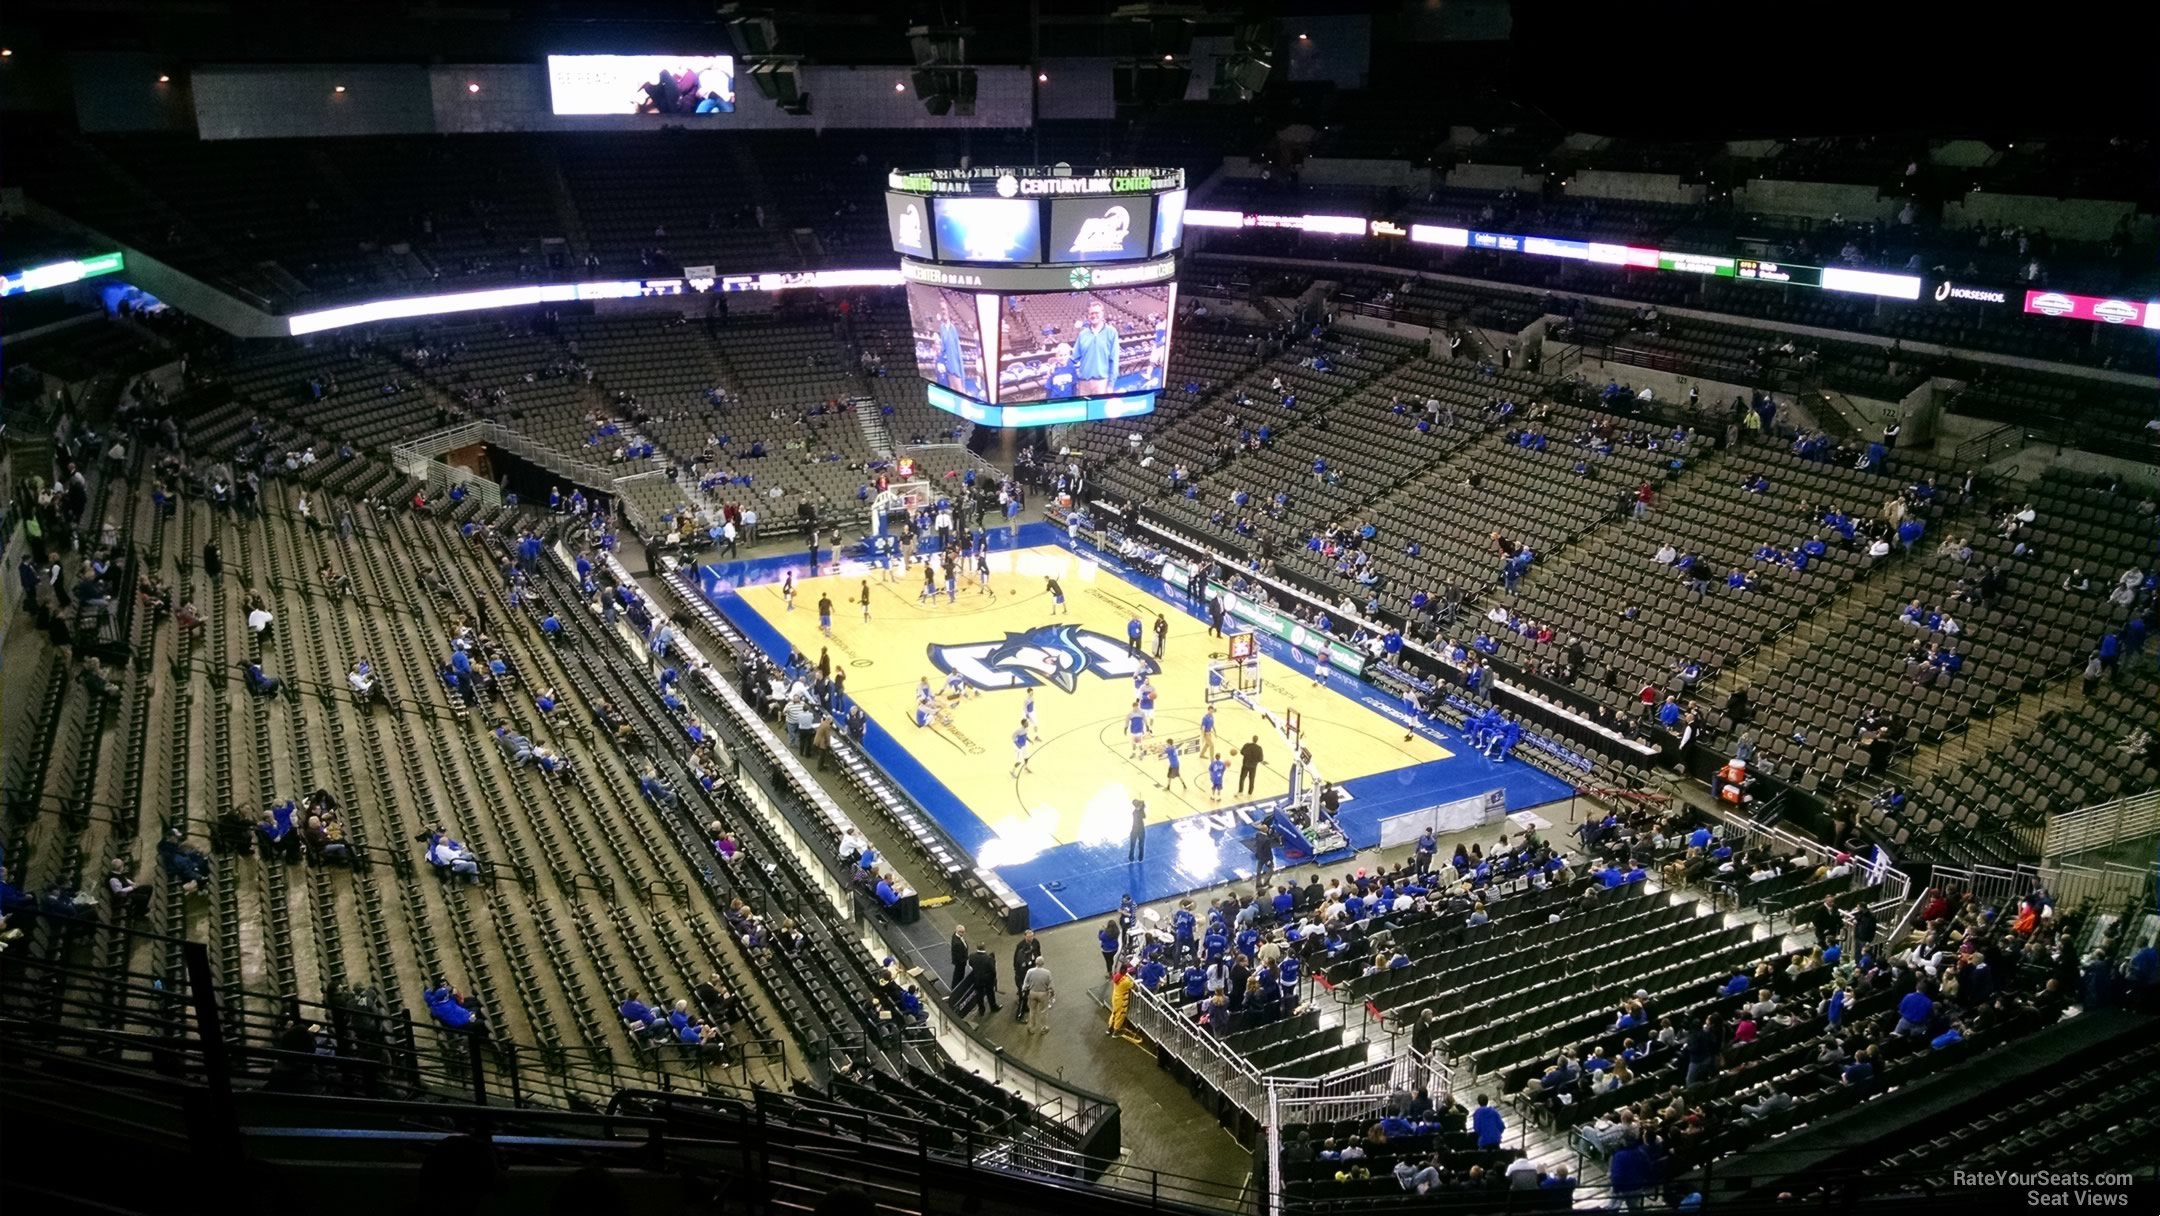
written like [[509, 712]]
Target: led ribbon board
[[60, 274]]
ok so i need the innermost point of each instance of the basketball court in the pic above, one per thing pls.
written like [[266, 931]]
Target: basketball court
[[1057, 829]]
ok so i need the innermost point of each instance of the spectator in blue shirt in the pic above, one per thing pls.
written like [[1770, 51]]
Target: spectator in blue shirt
[[1487, 1123], [449, 1008], [1914, 1011]]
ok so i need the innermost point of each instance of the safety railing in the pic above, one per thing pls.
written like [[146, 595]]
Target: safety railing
[[1894, 885], [1984, 447], [2097, 827], [2110, 883], [1229, 1073], [904, 1152]]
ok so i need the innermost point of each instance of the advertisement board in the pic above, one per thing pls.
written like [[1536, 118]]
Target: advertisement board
[[1778, 272], [1871, 283], [1099, 229], [60, 274], [1042, 413], [1341, 656], [1039, 278], [2105, 309], [988, 229], [1948, 292], [672, 86]]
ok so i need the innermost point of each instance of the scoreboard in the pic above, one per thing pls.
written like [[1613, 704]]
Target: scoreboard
[[1039, 295]]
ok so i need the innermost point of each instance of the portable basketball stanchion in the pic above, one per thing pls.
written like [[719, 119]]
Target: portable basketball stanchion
[[1235, 674]]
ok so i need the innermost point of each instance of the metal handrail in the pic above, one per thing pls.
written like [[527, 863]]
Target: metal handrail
[[2101, 825]]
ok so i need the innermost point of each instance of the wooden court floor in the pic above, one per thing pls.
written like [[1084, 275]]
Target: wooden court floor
[[1081, 776]]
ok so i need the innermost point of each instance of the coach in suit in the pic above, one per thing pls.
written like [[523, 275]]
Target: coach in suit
[[959, 957]]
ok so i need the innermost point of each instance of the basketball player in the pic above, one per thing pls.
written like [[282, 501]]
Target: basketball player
[[1135, 726], [929, 584], [957, 688], [1215, 770], [1021, 739], [1147, 705], [982, 572], [952, 581], [787, 589], [1170, 757], [866, 597], [824, 614], [1057, 597], [1320, 666], [1207, 733]]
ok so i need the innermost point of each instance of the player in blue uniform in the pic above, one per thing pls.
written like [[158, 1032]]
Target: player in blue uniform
[[1135, 726], [1021, 739], [1057, 597], [1215, 770], [824, 615], [1147, 706], [1170, 757], [957, 687], [1027, 715]]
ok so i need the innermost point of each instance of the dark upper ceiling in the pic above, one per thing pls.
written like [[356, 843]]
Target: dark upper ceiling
[[1674, 69]]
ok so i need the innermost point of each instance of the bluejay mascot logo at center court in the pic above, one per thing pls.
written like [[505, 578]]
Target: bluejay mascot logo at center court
[[1057, 655]]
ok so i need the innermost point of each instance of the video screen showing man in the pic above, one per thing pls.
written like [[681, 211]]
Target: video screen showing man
[[1095, 352], [1069, 344], [948, 339]]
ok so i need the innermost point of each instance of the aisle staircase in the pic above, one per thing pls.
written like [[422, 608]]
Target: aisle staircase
[[872, 421]]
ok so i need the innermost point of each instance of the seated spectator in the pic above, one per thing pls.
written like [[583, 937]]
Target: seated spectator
[[130, 898], [326, 839], [514, 745], [361, 679], [94, 679], [259, 621], [259, 681], [640, 1019], [183, 863], [276, 828], [450, 1007], [449, 857]]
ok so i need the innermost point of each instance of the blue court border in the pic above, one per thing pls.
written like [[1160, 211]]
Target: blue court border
[[1080, 880]]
